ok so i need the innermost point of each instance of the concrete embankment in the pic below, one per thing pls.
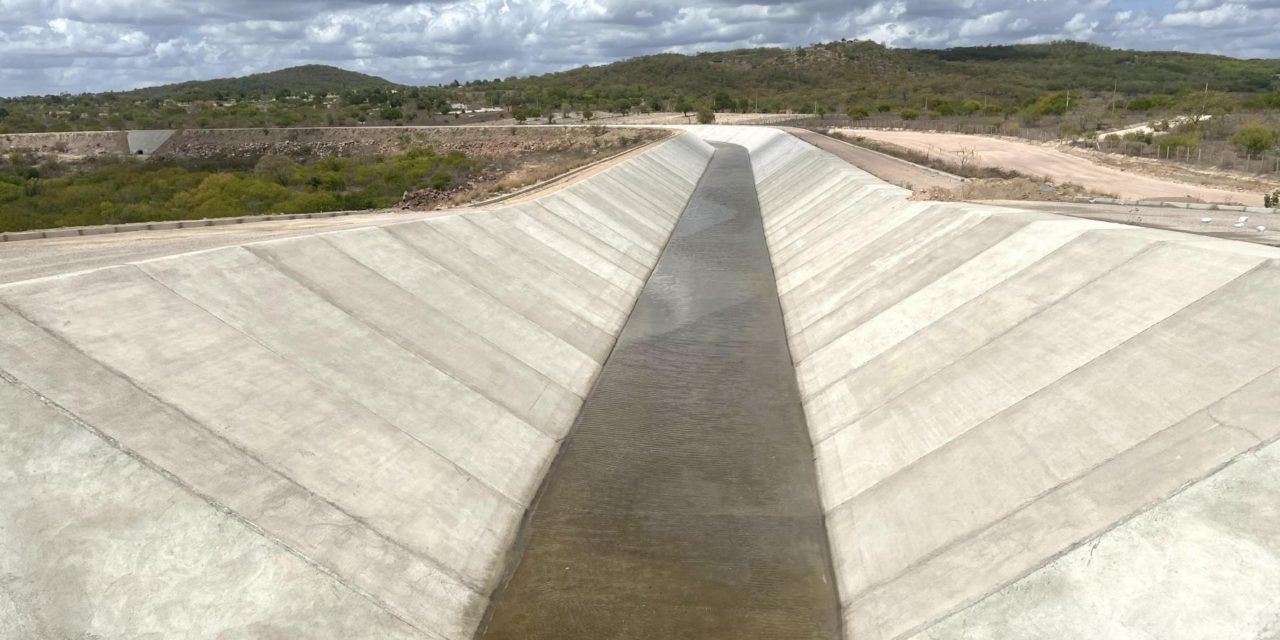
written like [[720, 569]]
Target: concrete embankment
[[327, 436], [1025, 425]]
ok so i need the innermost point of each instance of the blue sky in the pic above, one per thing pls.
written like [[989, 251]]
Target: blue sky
[[52, 46]]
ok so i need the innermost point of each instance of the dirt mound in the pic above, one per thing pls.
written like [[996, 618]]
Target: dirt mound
[[1005, 189]]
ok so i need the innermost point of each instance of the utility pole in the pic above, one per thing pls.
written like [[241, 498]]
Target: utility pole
[[1204, 104]]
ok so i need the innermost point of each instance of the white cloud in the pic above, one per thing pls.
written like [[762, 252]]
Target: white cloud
[[89, 45], [1219, 16]]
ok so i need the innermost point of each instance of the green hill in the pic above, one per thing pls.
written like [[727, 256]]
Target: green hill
[[857, 72], [834, 77], [313, 79]]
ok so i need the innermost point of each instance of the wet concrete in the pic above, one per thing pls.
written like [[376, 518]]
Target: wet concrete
[[684, 503]]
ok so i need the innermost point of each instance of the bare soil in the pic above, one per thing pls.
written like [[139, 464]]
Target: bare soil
[[1136, 181], [1024, 189]]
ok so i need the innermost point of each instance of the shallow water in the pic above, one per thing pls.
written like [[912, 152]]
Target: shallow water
[[684, 503]]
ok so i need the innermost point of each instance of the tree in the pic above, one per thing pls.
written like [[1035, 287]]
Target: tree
[[857, 113], [588, 114], [1199, 105], [278, 169], [684, 107], [1254, 138], [706, 115], [909, 114], [520, 115]]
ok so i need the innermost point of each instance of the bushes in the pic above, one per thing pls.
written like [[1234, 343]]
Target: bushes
[[108, 191], [1181, 140], [706, 115], [1271, 200], [909, 114], [1254, 138], [1051, 104]]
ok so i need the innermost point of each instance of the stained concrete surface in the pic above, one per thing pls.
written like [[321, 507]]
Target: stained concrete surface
[[144, 142], [331, 433], [1025, 425], [685, 504]]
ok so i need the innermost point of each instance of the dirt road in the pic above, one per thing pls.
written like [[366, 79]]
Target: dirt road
[[887, 168], [1054, 165]]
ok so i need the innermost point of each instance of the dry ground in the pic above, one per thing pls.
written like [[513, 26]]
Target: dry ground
[[1059, 166]]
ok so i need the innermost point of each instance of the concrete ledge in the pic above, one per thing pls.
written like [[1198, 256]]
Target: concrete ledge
[[163, 225], [1199, 206]]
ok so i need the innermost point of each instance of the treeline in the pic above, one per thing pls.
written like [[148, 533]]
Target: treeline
[[837, 76], [48, 194], [833, 77], [282, 108]]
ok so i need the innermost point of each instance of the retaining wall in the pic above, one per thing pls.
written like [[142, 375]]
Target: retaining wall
[[1014, 414], [328, 436]]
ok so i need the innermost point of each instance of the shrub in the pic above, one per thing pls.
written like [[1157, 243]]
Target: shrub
[[1145, 137], [909, 114], [1052, 104], [1254, 138], [858, 113], [1182, 139], [706, 115], [277, 169]]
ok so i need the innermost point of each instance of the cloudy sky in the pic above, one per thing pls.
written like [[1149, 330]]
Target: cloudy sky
[[52, 46]]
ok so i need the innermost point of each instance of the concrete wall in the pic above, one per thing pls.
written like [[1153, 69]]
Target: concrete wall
[[329, 436], [80, 143], [1028, 426], [147, 142]]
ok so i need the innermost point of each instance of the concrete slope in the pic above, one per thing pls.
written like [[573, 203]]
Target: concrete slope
[[1028, 425], [332, 435]]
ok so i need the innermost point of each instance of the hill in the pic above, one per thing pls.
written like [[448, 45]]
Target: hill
[[833, 77], [313, 79], [853, 72]]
